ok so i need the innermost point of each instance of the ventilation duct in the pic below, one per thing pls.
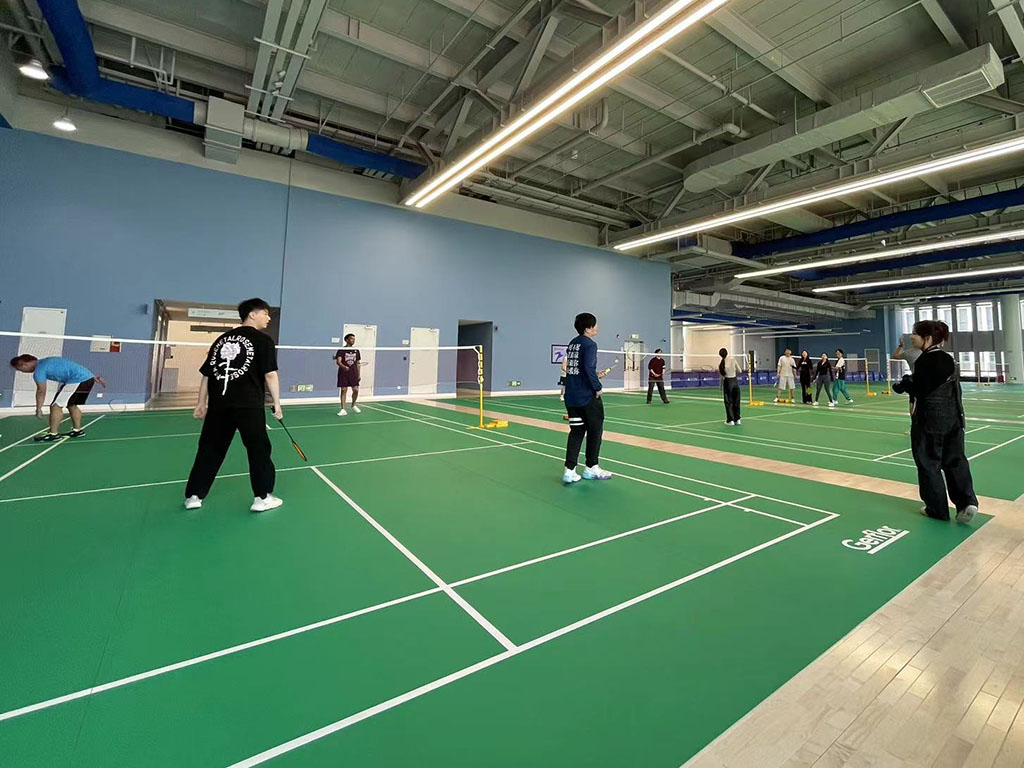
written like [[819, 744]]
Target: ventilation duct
[[961, 77]]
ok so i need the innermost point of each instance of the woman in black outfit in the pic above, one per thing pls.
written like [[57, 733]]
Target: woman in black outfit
[[805, 366], [730, 373], [823, 373], [937, 428]]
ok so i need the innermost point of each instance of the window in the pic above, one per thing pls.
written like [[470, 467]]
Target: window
[[907, 320], [988, 364], [965, 319], [926, 313], [945, 314], [966, 360], [986, 320]]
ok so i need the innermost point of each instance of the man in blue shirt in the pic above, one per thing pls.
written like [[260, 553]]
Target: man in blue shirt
[[76, 382], [583, 402]]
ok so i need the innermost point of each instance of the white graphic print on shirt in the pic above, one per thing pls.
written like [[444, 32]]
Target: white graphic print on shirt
[[230, 358]]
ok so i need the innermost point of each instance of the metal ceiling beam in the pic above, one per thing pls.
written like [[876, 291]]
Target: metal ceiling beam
[[538, 48], [460, 122], [750, 41], [945, 25], [1009, 15], [271, 18], [886, 136]]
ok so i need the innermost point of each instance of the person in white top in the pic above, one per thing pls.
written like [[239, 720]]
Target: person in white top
[[730, 372], [786, 371]]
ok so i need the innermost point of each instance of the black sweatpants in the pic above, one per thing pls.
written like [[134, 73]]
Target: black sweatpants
[[937, 454], [731, 393], [661, 389], [587, 421], [218, 431]]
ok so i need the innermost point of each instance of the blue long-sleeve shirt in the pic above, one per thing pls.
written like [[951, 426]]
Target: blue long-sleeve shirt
[[581, 381]]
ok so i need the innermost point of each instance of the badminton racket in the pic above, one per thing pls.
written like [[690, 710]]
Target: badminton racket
[[295, 445]]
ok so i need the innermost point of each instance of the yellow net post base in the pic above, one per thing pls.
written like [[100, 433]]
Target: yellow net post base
[[495, 424], [755, 403]]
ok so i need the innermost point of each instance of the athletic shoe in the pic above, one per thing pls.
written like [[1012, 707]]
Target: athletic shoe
[[850, 401], [775, 400], [561, 398], [76, 433], [738, 422], [729, 423], [47, 438], [815, 403], [966, 514], [570, 476], [270, 501], [355, 409], [831, 403], [343, 412], [193, 502], [596, 473]]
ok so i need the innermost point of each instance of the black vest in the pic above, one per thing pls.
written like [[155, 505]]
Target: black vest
[[942, 409]]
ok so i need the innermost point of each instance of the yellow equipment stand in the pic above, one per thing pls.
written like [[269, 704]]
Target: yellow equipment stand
[[750, 382], [494, 424]]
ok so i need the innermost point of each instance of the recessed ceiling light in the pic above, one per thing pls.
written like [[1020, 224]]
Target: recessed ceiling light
[[34, 70], [65, 124]]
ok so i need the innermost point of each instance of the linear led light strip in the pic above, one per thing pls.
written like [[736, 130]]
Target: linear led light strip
[[1008, 147], [939, 245], [922, 279], [564, 97]]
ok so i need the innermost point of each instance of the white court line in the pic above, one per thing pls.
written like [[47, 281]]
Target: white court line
[[415, 693], [882, 546], [14, 713], [246, 474], [30, 436], [45, 451], [981, 453], [697, 480], [492, 630], [703, 497]]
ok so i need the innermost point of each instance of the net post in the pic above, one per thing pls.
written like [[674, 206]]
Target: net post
[[480, 379]]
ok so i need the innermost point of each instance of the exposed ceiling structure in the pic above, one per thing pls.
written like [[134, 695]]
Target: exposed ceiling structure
[[763, 99]]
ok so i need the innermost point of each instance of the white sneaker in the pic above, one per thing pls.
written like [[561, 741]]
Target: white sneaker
[[729, 423], [193, 502], [831, 403], [815, 403], [738, 422], [270, 501], [343, 412], [850, 401], [966, 514], [596, 473], [570, 476], [775, 400], [561, 398], [355, 409]]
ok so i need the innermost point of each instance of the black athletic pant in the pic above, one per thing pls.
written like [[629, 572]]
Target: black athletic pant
[[731, 392], [588, 422], [661, 390], [936, 454], [215, 439]]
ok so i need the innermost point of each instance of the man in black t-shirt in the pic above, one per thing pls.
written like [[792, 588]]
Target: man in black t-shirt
[[239, 369], [348, 360]]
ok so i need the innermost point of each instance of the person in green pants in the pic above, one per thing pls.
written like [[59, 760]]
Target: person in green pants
[[840, 383]]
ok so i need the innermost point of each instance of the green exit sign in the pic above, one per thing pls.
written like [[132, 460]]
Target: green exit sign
[[515, 383]]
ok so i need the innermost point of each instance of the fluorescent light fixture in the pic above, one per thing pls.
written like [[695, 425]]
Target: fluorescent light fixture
[[65, 124], [938, 245], [567, 95], [34, 70], [958, 275], [1008, 147]]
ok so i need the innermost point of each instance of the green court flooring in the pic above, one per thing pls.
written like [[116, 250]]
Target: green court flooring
[[868, 437], [428, 594]]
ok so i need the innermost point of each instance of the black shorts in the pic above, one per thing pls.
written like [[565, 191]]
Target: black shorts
[[349, 378], [561, 381], [73, 394]]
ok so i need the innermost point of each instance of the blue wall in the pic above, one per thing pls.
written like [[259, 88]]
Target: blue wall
[[104, 233]]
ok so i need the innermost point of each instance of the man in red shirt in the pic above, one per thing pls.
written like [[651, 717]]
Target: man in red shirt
[[656, 375]]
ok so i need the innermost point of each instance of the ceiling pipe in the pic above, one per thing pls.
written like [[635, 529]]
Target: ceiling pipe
[[80, 76]]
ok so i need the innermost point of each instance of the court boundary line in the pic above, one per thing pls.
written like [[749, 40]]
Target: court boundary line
[[427, 571], [30, 435], [36, 457], [246, 474], [313, 626], [441, 682], [996, 447]]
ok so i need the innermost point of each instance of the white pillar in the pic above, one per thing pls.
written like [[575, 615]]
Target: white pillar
[[1013, 338]]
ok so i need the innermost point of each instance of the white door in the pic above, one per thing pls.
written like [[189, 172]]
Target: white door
[[423, 362], [634, 361], [39, 320], [366, 340]]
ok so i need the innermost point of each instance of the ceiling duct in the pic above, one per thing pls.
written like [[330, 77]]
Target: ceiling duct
[[961, 77]]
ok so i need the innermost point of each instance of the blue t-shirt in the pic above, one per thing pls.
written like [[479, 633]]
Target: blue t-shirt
[[60, 369], [581, 381]]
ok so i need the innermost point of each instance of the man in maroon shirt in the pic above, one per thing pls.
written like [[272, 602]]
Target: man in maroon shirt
[[656, 375]]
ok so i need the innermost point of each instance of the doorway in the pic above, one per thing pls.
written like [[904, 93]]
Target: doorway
[[50, 321], [633, 361], [423, 360]]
